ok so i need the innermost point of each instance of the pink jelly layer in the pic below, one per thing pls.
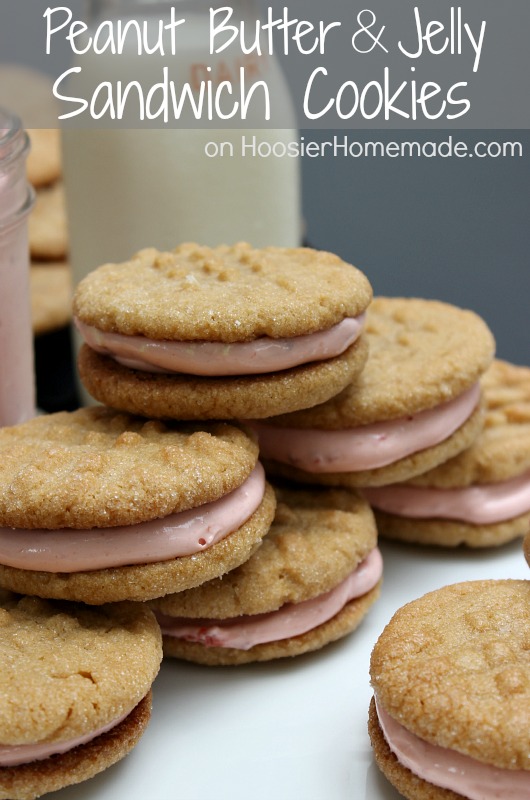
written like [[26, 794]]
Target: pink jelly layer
[[14, 755], [182, 534], [290, 620], [219, 359], [368, 446], [451, 770], [478, 505]]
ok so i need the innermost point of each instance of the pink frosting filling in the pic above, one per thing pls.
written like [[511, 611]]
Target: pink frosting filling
[[478, 505], [217, 359], [182, 534], [14, 755], [451, 770], [368, 446], [290, 620]]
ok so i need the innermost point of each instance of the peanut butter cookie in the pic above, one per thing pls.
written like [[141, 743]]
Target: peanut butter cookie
[[222, 332], [450, 674], [76, 690], [481, 497], [51, 296], [47, 226], [310, 582], [100, 506], [416, 404]]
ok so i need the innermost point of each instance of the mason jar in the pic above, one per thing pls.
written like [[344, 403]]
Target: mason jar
[[17, 382]]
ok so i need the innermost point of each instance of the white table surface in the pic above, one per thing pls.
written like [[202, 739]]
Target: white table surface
[[294, 729]]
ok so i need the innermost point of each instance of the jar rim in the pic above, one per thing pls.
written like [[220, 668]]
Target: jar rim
[[21, 213], [14, 141]]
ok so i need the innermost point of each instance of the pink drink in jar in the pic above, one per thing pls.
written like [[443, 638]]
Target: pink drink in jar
[[17, 382]]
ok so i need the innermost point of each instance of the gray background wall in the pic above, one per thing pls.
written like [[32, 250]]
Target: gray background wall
[[453, 229]]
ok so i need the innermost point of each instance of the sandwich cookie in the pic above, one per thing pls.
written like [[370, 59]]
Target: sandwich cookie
[[481, 497], [526, 547], [416, 404], [451, 677], [221, 333], [311, 582], [51, 296], [47, 225], [76, 690], [99, 506], [44, 159]]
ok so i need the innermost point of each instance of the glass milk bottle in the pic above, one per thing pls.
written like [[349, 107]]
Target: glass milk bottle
[[130, 188], [17, 382]]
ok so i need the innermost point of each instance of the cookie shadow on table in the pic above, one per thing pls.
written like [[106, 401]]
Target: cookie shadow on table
[[175, 671], [394, 550], [411, 571], [108, 783], [377, 786]]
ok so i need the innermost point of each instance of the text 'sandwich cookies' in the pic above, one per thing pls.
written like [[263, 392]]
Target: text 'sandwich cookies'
[[481, 497], [451, 714], [221, 333], [416, 403], [76, 690], [98, 506], [311, 582]]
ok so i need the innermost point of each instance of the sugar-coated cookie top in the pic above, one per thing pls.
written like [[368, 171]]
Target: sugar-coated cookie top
[[227, 293], [422, 353], [502, 450], [68, 670], [454, 668], [99, 468], [317, 539]]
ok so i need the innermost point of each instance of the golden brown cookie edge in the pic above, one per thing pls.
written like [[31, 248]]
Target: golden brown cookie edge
[[195, 398], [344, 533], [396, 381], [419, 657], [340, 626], [399, 471], [450, 533], [409, 785], [272, 291], [502, 450], [104, 454], [147, 581], [29, 781]]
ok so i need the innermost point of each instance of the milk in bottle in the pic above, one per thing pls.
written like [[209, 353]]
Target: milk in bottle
[[134, 187]]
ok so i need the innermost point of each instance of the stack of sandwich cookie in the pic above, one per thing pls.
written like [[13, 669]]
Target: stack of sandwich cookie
[[221, 333], [76, 690], [48, 233], [98, 506], [450, 672], [311, 582], [416, 404], [43, 166], [51, 297], [482, 496], [50, 273]]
